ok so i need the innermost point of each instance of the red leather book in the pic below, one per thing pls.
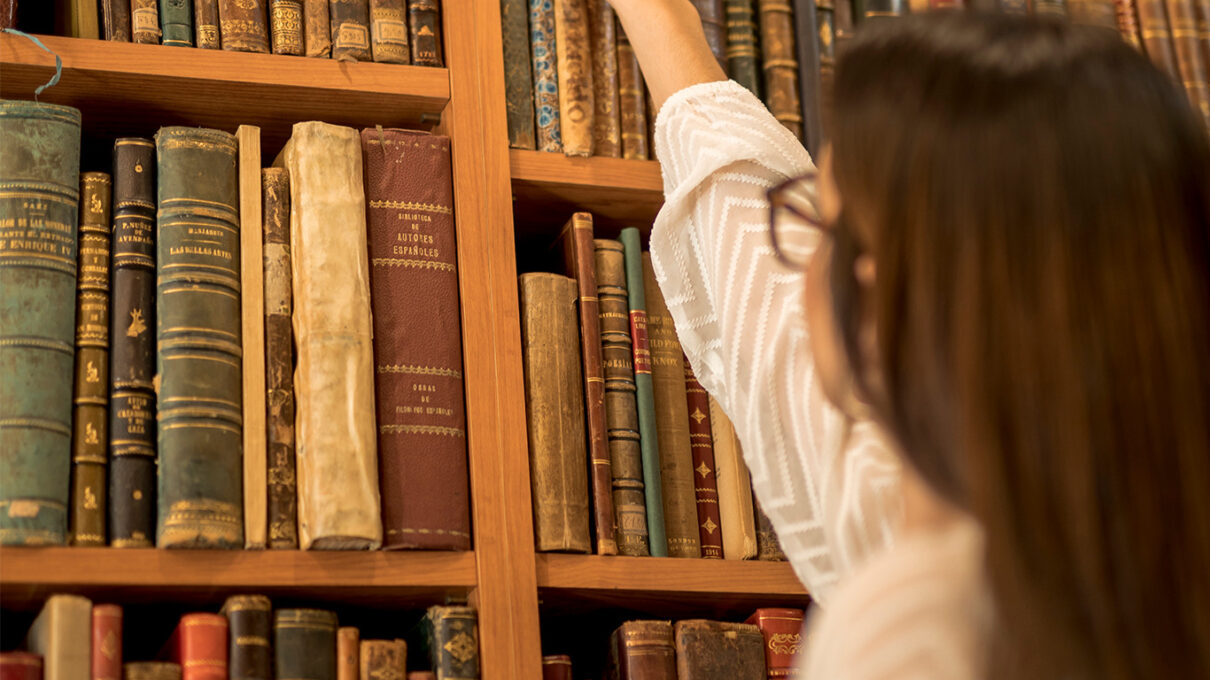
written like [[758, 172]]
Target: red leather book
[[106, 642], [199, 645], [782, 630], [642, 650], [20, 666], [556, 667], [705, 486]]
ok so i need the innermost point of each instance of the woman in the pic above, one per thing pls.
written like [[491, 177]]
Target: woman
[[1011, 279]]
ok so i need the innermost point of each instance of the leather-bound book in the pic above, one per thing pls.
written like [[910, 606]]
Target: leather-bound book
[[546, 75], [714, 24], [782, 632], [556, 667], [348, 653], [252, 337], [768, 547], [649, 443], [336, 458], [176, 22], [8, 19], [20, 665], [734, 489], [1182, 20], [389, 32], [250, 622], [206, 24], [452, 634], [1157, 38], [632, 106], [244, 25], [132, 428], [350, 25], [518, 74], [607, 125], [90, 438], [151, 670], [304, 644], [642, 650], [286, 24], [705, 487], [719, 650], [422, 455], [672, 421], [574, 48], [106, 642], [62, 636], [199, 645], [424, 21], [282, 491], [383, 660], [200, 497], [825, 46], [38, 211], [579, 263], [1202, 9], [145, 21], [554, 407], [743, 50], [621, 416], [780, 62], [317, 32], [1093, 13], [115, 19], [1126, 13]]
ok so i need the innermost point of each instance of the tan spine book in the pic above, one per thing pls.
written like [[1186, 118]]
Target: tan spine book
[[1182, 20], [244, 25], [632, 105], [348, 654], [77, 19], [337, 457], [286, 26], [574, 49], [252, 336], [1157, 38], [389, 32], [62, 634], [554, 407], [672, 423], [317, 31], [207, 34], [145, 21], [780, 64], [607, 125], [383, 660], [734, 489]]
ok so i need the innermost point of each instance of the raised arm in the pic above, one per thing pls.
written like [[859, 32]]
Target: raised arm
[[670, 44]]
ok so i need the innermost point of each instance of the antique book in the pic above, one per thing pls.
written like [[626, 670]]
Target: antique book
[[607, 125], [62, 636], [115, 18], [652, 115], [424, 22], [348, 653], [207, 33], [743, 50], [1202, 10], [336, 458], [574, 49], [41, 175], [1127, 17], [350, 25], [20, 665], [556, 667], [389, 32], [199, 645], [90, 434], [768, 547], [422, 455], [304, 644], [822, 55], [1182, 20], [632, 106], [77, 19], [780, 63], [1093, 13], [252, 336], [317, 32], [621, 416], [579, 263], [888, 9], [782, 632], [719, 650], [642, 650], [151, 670], [705, 486], [145, 21], [282, 491], [106, 641], [199, 497], [554, 408], [132, 408], [1056, 8], [518, 74], [672, 422], [1157, 38], [250, 622], [244, 25], [8, 19], [649, 443], [286, 27], [452, 634], [734, 488], [546, 75], [714, 24], [176, 22], [383, 660]]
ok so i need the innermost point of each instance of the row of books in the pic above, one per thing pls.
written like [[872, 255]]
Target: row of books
[[627, 451], [389, 31], [222, 388], [73, 639]]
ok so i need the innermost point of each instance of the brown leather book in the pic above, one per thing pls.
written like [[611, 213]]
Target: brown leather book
[[768, 547], [556, 667], [383, 660], [705, 487], [115, 19], [642, 650], [632, 106], [424, 19], [317, 31], [348, 653], [350, 24], [579, 263], [734, 489], [286, 26], [820, 111], [574, 49], [672, 423], [8, 19], [714, 24], [1093, 13], [389, 32], [607, 125], [719, 650], [418, 340], [743, 48], [145, 21], [780, 63], [250, 622], [206, 25], [106, 642], [1157, 38], [518, 76], [1182, 20], [244, 25], [199, 645], [151, 670], [554, 408], [782, 631], [1202, 9]]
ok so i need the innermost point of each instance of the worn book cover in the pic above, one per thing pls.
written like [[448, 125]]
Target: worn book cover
[[607, 123], [250, 622], [62, 635], [389, 32], [518, 74], [780, 63], [574, 49], [719, 650], [244, 25], [304, 644]]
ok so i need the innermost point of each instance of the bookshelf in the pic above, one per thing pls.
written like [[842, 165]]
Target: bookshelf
[[126, 89]]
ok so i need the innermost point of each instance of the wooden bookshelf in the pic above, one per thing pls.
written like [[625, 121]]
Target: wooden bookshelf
[[548, 187]]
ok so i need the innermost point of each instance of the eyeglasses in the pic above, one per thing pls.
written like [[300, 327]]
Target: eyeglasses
[[794, 224]]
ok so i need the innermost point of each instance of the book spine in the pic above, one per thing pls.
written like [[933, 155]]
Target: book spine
[[199, 645], [252, 338], [250, 621], [607, 126], [389, 32], [878, 10], [1182, 19], [145, 21], [705, 487], [518, 76], [244, 24], [90, 435], [77, 19], [38, 208], [632, 106], [62, 634], [1093, 13], [424, 20], [825, 72], [317, 32], [768, 547], [1128, 22], [652, 115], [1202, 10], [106, 642], [556, 667], [382, 659], [743, 52], [422, 452], [574, 50], [151, 670], [649, 442], [714, 25], [780, 63], [115, 17], [734, 489], [453, 637], [304, 644], [782, 632], [1056, 8], [643, 650], [1157, 38], [20, 665], [719, 650], [206, 24], [286, 27], [348, 653], [200, 496], [8, 19], [546, 75], [282, 508], [350, 25], [176, 22], [554, 406]]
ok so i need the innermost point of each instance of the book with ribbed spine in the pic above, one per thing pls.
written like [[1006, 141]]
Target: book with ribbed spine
[[389, 32], [518, 74], [145, 21], [556, 667], [115, 18], [743, 51], [317, 31], [713, 19], [780, 63], [199, 645], [1188, 49], [286, 27], [176, 22], [382, 660], [642, 650], [705, 486], [39, 197], [574, 49], [719, 650], [424, 21], [782, 631], [1127, 15], [62, 635], [250, 622], [349, 21], [607, 125], [452, 634], [106, 642], [632, 106], [304, 644], [1157, 37], [543, 45], [252, 337], [207, 32], [348, 653], [244, 25], [734, 488]]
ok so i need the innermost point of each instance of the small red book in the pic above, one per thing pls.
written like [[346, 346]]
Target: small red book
[[782, 630], [199, 645], [106, 642], [20, 666]]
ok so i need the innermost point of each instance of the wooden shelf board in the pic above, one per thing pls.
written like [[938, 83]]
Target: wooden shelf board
[[548, 187]]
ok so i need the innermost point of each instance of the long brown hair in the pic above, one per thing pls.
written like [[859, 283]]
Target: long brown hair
[[1036, 196]]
